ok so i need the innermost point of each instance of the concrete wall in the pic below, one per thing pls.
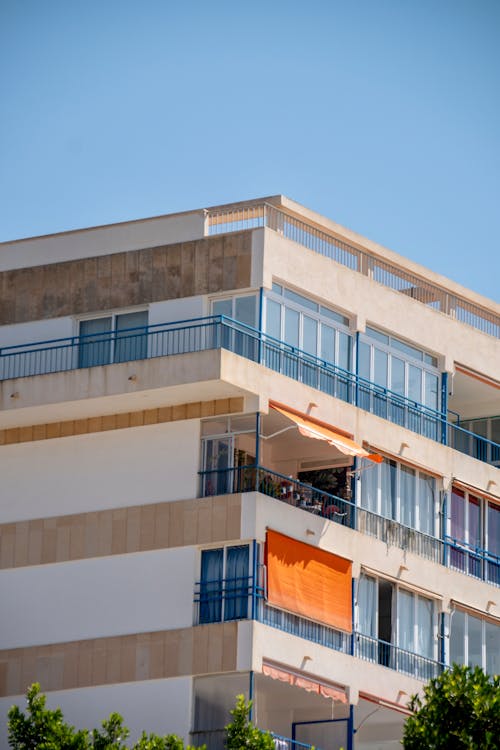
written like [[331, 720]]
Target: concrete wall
[[96, 598], [160, 706], [104, 240], [101, 470]]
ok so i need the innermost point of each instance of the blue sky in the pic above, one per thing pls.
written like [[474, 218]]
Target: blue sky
[[384, 115]]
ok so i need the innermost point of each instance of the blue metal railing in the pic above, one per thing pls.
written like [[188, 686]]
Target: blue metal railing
[[215, 332], [357, 644], [450, 552], [473, 560]]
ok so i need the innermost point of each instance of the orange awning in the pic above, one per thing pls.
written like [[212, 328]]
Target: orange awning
[[308, 581], [309, 683], [314, 428]]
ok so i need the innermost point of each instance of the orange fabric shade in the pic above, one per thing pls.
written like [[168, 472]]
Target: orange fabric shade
[[309, 581], [313, 428], [307, 683]]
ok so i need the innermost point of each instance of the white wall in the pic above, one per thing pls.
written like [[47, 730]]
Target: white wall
[[114, 238], [113, 469], [96, 598], [161, 706], [177, 309]]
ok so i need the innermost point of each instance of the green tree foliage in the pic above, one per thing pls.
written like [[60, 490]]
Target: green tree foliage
[[459, 710], [43, 729], [241, 733]]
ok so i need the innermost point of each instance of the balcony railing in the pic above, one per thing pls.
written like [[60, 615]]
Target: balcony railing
[[215, 332], [473, 561], [451, 552], [363, 646], [390, 275], [394, 657], [214, 739]]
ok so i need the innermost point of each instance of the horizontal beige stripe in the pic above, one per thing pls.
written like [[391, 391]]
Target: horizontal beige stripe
[[128, 658], [121, 421], [114, 532]]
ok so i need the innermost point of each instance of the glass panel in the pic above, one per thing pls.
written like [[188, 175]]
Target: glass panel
[[223, 307], [300, 300], [245, 310], [430, 360], [474, 633], [457, 528], [345, 342], [211, 585], [277, 288], [96, 349], [425, 627], [273, 319], [406, 348], [367, 609], [380, 369], [407, 496], [236, 594], [369, 489], [364, 360], [457, 637], [327, 313], [218, 458], [406, 636], [415, 384], [493, 543], [374, 334], [388, 475], [291, 327], [431, 391], [131, 344], [495, 430], [397, 376], [327, 343], [492, 638], [474, 512], [309, 335], [426, 488]]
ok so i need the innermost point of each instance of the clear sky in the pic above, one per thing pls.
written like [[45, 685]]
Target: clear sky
[[383, 115]]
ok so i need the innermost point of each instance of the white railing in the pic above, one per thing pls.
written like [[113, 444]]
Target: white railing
[[252, 216]]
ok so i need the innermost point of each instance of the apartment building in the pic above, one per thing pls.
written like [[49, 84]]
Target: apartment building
[[243, 450]]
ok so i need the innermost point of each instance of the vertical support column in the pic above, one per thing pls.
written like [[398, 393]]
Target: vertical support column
[[260, 324], [442, 641], [251, 688], [350, 728], [444, 529], [356, 371], [255, 570], [444, 407], [257, 450]]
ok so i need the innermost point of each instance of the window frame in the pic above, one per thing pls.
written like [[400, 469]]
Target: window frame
[[396, 502], [113, 315], [222, 582], [278, 295]]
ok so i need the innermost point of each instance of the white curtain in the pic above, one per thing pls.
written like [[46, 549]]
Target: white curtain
[[367, 609]]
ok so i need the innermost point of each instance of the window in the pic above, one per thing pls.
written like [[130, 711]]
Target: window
[[474, 531], [113, 338], [474, 641], [401, 493], [228, 452], [389, 616], [406, 371], [314, 329], [224, 584], [486, 427], [243, 310]]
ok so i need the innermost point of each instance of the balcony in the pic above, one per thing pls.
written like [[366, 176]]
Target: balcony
[[216, 332], [453, 553], [245, 598]]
